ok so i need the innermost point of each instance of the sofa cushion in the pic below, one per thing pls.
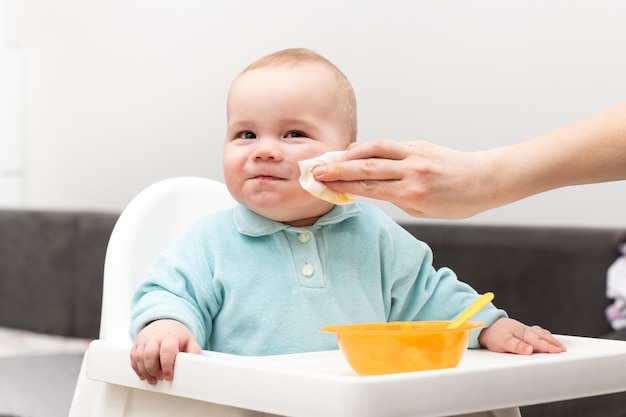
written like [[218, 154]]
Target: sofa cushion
[[52, 264], [616, 335], [553, 277]]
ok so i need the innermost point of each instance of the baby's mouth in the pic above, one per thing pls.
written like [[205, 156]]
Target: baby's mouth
[[267, 178]]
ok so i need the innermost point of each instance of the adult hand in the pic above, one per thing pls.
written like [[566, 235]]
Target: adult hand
[[421, 178], [427, 180]]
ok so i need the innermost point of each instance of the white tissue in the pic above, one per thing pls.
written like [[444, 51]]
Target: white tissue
[[319, 189]]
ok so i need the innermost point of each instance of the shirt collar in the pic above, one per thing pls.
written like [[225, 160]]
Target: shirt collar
[[250, 223]]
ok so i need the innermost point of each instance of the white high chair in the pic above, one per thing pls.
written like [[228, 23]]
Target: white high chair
[[147, 226], [316, 384]]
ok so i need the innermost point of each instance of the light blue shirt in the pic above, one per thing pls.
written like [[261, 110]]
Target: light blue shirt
[[247, 285]]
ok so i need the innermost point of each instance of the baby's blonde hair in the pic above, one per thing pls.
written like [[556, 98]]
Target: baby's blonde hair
[[293, 57]]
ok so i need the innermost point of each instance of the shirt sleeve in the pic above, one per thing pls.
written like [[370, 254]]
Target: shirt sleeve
[[175, 282], [418, 291]]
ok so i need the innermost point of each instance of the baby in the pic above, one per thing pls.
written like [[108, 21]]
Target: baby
[[264, 277]]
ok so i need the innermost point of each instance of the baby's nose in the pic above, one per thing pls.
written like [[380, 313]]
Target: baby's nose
[[267, 149]]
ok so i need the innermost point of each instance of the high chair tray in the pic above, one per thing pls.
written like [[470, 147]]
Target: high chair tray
[[322, 383]]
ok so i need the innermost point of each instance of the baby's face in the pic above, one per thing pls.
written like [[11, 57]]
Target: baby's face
[[277, 117]]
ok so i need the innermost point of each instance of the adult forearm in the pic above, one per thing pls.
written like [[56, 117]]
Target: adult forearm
[[588, 151]]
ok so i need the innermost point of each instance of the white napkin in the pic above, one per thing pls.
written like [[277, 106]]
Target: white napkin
[[319, 189]]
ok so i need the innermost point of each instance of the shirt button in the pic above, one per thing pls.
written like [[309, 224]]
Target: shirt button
[[308, 270], [304, 237]]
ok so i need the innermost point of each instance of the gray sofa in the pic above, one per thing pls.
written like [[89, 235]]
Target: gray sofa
[[51, 266]]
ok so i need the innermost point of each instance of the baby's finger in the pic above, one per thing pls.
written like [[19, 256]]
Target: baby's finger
[[144, 375], [169, 350], [192, 347], [135, 355], [543, 341], [518, 346], [151, 363], [137, 363]]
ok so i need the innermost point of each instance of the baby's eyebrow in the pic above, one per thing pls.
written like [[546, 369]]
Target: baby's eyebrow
[[302, 125], [240, 124]]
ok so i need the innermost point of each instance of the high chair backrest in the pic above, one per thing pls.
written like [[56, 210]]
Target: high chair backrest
[[148, 225]]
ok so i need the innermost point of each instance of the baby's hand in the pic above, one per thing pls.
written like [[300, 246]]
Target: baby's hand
[[154, 351], [508, 335]]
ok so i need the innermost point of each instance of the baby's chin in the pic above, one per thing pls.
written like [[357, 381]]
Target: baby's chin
[[297, 215]]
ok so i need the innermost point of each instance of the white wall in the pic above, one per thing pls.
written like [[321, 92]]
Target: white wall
[[10, 143], [121, 93]]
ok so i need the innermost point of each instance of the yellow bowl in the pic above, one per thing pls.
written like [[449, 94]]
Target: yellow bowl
[[385, 348]]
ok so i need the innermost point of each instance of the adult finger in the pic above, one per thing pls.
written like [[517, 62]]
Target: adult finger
[[361, 169], [380, 148]]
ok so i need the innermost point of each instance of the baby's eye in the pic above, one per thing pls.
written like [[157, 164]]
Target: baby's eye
[[247, 135], [296, 134]]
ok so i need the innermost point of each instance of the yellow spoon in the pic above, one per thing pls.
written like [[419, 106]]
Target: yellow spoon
[[470, 311]]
